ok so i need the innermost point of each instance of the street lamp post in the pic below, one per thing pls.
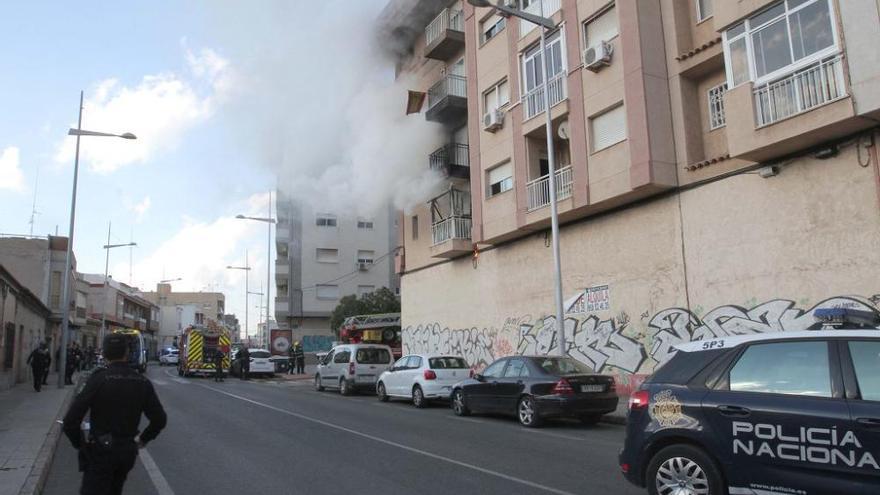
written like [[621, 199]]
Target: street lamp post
[[269, 221], [546, 25], [108, 247], [65, 296], [247, 270]]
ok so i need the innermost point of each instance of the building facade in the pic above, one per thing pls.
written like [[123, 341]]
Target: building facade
[[716, 166], [323, 256], [178, 310], [24, 324], [116, 305]]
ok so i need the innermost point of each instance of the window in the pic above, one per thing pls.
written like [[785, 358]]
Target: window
[[325, 220], [365, 289], [796, 368], [401, 363], [562, 366], [491, 27], [447, 363], [342, 357], [500, 179], [374, 355], [704, 9], [415, 362], [327, 291], [327, 255], [533, 78], [602, 27], [716, 106], [494, 371], [200, 319], [517, 368], [365, 224], [608, 128], [415, 227], [866, 361], [366, 256], [496, 97], [782, 38]]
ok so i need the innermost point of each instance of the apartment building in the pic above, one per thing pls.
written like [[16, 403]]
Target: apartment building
[[716, 172], [24, 320], [323, 256], [118, 305], [178, 310]]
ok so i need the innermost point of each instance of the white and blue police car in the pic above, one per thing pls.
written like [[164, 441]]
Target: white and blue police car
[[794, 413]]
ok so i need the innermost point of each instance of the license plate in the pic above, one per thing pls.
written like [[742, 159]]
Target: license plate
[[592, 388]]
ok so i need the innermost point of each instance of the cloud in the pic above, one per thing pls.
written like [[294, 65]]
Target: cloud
[[159, 110], [141, 208], [11, 176]]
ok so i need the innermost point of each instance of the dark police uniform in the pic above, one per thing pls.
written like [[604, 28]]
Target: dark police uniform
[[39, 361], [300, 359], [115, 398], [218, 366]]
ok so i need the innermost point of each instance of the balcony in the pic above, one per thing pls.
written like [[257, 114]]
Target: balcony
[[445, 35], [543, 8], [282, 234], [282, 308], [447, 100], [451, 160], [533, 101], [451, 224], [799, 92], [451, 228], [538, 190], [282, 269]]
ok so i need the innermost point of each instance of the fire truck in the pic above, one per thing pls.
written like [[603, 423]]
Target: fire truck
[[373, 329], [198, 344]]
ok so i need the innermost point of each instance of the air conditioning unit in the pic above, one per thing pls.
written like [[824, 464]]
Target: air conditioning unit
[[598, 56], [363, 266], [493, 120]]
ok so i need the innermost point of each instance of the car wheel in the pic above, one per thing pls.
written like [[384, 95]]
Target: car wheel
[[318, 386], [683, 469], [344, 387], [591, 419], [381, 393], [458, 404], [418, 398], [527, 412]]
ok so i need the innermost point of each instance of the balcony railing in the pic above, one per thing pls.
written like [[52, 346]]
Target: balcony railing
[[448, 19], [451, 85], [538, 190], [801, 91], [534, 99], [451, 159], [543, 8], [451, 228]]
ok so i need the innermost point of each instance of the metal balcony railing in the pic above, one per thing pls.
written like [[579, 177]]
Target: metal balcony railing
[[543, 8], [534, 99], [448, 19], [538, 190], [800, 91], [451, 228], [451, 85], [455, 154]]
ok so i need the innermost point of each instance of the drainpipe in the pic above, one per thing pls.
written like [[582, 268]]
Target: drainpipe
[[872, 150]]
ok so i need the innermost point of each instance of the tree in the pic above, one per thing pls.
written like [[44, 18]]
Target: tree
[[379, 301]]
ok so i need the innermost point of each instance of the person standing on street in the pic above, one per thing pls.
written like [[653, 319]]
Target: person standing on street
[[218, 365], [70, 366], [291, 359], [300, 359], [39, 362], [114, 397], [48, 366], [244, 357]]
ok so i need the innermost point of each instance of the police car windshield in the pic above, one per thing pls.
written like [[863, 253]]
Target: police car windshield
[[562, 366]]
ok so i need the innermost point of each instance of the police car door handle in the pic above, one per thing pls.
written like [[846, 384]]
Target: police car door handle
[[736, 411], [869, 422]]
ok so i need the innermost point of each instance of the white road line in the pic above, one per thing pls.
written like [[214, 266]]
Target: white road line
[[156, 477], [469, 420], [393, 444], [159, 382]]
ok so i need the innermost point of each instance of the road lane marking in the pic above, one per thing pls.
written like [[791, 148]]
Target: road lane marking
[[393, 444], [159, 481], [159, 382]]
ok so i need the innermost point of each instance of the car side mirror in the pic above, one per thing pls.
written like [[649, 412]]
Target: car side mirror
[[392, 369], [478, 377]]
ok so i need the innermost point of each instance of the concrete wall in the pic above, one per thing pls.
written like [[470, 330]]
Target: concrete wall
[[23, 326]]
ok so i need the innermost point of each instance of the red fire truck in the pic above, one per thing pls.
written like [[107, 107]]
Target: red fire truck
[[373, 329]]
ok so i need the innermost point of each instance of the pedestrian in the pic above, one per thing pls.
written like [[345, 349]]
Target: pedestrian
[[218, 365], [114, 397], [291, 359], [244, 363], [38, 361], [69, 366], [300, 359], [48, 364]]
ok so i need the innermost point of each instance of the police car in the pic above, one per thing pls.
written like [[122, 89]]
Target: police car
[[778, 413]]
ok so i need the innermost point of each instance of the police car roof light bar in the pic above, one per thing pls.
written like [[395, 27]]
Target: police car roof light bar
[[839, 317]]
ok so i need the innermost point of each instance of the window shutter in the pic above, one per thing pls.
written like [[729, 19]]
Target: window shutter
[[602, 28], [500, 173], [608, 128]]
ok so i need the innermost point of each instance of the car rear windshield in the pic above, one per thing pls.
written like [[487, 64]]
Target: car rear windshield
[[260, 354], [562, 366], [373, 356], [447, 363]]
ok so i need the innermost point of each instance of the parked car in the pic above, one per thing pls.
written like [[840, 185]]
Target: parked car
[[781, 412], [353, 367], [422, 378], [260, 363], [169, 356], [536, 388]]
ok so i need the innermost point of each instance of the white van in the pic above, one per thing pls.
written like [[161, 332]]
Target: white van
[[352, 367]]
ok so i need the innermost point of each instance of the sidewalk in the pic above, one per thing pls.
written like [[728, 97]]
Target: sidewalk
[[28, 434], [308, 375]]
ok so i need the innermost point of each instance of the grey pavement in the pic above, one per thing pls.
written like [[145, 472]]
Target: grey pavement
[[280, 436]]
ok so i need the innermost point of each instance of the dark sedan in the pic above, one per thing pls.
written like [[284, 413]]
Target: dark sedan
[[536, 388]]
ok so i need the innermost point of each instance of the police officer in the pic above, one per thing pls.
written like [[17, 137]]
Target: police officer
[[218, 365], [244, 357], [115, 397], [39, 361], [300, 359]]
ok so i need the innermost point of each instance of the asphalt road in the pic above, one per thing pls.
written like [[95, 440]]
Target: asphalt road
[[267, 436]]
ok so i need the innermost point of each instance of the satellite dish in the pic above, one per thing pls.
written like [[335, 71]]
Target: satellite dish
[[563, 131]]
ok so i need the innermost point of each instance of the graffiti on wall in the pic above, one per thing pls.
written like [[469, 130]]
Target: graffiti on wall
[[617, 344], [316, 343]]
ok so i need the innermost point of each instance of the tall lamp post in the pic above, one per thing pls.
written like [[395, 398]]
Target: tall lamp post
[[269, 222], [108, 247], [65, 296], [546, 26], [247, 270]]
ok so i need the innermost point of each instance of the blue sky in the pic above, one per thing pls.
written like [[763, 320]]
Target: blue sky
[[172, 73]]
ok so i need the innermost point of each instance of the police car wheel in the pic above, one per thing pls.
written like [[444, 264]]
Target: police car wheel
[[683, 470], [318, 386]]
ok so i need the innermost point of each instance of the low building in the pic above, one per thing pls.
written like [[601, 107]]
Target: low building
[[119, 305], [24, 324]]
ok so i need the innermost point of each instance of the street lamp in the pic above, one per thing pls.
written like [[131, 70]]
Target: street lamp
[[65, 296], [247, 270], [108, 247], [169, 280], [269, 222], [546, 25]]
